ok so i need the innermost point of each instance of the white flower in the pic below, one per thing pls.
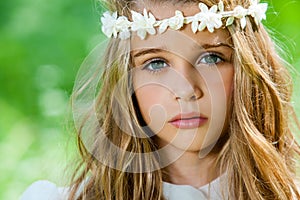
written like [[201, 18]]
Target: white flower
[[174, 23], [253, 2], [112, 25], [143, 24], [108, 24], [209, 18], [122, 26], [258, 11], [240, 12]]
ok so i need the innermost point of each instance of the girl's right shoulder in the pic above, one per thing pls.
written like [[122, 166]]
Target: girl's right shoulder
[[45, 190]]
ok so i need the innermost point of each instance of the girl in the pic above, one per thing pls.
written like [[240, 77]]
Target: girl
[[193, 103]]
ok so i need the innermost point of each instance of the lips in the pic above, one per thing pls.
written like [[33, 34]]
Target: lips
[[188, 120]]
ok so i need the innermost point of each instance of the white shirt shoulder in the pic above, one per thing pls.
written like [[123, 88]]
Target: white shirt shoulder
[[212, 191], [44, 190]]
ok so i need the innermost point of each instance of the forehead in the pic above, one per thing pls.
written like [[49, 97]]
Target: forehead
[[180, 39]]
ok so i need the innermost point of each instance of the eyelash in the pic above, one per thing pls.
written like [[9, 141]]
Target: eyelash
[[205, 55], [152, 61]]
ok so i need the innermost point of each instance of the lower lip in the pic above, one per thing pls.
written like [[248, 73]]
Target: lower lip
[[189, 123]]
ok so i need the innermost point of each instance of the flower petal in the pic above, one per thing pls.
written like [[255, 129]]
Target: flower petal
[[109, 23], [263, 7], [195, 26], [142, 34], [218, 23], [151, 18], [136, 16], [253, 2], [115, 33], [151, 31], [239, 12], [213, 9], [163, 26], [243, 22], [203, 7], [210, 28], [202, 26], [115, 15], [124, 35], [145, 13]]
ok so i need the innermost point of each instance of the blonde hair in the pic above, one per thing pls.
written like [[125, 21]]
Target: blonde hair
[[258, 156]]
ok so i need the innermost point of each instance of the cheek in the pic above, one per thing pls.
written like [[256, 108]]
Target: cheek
[[219, 89], [228, 82], [220, 84], [152, 104], [224, 88], [223, 97]]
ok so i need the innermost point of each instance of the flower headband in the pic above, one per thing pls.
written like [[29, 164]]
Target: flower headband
[[210, 18]]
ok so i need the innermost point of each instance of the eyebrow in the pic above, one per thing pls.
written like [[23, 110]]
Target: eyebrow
[[162, 49], [208, 46], [148, 51]]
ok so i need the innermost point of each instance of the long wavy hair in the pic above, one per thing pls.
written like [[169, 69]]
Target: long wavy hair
[[258, 156]]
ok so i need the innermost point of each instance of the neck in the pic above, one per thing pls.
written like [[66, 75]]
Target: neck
[[189, 169]]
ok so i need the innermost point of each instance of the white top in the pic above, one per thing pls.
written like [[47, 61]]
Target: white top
[[45, 190]]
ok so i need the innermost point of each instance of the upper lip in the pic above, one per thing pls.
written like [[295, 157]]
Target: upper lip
[[183, 116]]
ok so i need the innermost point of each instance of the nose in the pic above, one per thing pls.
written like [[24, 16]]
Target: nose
[[192, 96], [188, 93], [188, 86]]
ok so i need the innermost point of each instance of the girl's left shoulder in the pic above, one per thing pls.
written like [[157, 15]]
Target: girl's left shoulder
[[44, 190]]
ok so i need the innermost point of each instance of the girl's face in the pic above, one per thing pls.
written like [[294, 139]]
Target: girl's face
[[183, 82]]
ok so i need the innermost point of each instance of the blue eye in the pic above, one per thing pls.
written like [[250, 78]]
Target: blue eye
[[210, 59], [156, 65]]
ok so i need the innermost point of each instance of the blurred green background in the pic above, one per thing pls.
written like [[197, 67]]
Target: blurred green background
[[42, 46]]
